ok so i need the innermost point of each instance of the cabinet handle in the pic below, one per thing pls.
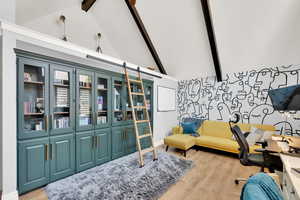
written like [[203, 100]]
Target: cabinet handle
[[51, 152], [46, 122], [46, 152], [98, 140], [95, 118], [50, 122], [125, 133], [94, 143], [92, 138]]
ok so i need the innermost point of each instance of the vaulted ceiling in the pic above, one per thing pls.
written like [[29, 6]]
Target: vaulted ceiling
[[178, 34], [248, 34]]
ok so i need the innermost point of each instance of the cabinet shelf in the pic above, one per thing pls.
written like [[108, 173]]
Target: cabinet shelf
[[87, 88], [116, 84], [102, 89], [61, 113], [33, 114], [61, 85], [34, 82], [102, 111]]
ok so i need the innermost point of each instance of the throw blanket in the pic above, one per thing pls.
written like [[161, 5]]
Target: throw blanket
[[261, 187]]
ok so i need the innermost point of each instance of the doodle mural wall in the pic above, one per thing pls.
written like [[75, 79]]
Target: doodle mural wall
[[245, 93]]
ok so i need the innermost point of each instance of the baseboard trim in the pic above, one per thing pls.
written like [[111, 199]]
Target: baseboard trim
[[10, 196], [158, 143]]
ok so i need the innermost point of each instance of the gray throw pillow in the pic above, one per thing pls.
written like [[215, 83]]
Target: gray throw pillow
[[254, 136]]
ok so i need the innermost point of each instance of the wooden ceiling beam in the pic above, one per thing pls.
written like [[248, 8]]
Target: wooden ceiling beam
[[131, 5], [87, 4], [211, 37]]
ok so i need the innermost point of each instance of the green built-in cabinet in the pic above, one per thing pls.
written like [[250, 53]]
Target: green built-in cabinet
[[71, 118]]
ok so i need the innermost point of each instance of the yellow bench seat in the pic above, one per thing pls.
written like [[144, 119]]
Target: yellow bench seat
[[222, 144], [180, 141]]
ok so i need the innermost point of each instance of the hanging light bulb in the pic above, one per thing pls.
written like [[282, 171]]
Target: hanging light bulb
[[62, 18], [99, 50]]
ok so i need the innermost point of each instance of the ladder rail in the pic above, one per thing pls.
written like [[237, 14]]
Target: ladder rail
[[134, 118], [146, 114]]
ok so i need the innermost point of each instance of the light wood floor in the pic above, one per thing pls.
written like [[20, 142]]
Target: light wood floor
[[212, 178]]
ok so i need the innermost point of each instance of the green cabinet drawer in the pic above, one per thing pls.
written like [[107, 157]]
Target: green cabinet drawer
[[130, 140], [62, 156], [33, 164], [85, 153], [103, 146]]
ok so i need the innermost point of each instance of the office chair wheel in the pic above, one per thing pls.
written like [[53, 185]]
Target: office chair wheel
[[236, 182]]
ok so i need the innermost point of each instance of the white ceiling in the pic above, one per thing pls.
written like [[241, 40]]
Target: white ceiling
[[178, 34], [28, 10]]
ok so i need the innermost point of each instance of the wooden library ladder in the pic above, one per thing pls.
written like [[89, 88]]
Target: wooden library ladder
[[136, 121]]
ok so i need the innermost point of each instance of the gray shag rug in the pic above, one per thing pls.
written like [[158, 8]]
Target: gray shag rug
[[122, 179]]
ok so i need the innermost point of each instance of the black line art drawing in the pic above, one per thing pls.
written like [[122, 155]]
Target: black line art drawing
[[245, 93]]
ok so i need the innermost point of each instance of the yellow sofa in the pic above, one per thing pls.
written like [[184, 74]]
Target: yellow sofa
[[213, 134]]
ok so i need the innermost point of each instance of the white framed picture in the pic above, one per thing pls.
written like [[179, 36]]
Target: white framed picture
[[166, 99]]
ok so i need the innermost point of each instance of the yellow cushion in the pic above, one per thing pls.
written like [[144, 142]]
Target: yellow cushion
[[177, 130], [215, 128], [180, 141], [221, 144], [222, 129]]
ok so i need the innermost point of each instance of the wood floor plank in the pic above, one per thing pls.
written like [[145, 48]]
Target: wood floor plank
[[212, 178]]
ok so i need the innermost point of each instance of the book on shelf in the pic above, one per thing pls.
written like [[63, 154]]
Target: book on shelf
[[61, 122]]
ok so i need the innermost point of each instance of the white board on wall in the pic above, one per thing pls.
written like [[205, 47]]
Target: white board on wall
[[166, 99]]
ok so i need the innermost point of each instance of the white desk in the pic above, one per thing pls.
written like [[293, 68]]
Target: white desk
[[291, 182]]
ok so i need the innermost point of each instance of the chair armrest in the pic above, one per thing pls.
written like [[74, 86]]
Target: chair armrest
[[177, 130], [263, 144]]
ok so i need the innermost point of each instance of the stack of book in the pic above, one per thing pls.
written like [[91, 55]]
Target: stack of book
[[84, 102], [84, 107], [62, 96]]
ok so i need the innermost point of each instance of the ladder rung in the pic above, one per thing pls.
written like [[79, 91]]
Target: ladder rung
[[139, 107], [145, 135], [135, 81], [137, 93], [147, 150], [141, 121]]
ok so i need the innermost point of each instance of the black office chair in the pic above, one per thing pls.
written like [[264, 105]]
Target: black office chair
[[248, 159]]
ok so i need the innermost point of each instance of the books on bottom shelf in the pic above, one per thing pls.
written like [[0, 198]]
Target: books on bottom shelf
[[101, 120], [85, 120], [61, 122]]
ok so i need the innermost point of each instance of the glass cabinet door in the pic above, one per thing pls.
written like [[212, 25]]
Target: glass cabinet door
[[102, 101], [33, 98], [118, 101], [149, 99], [85, 108], [138, 101], [62, 99]]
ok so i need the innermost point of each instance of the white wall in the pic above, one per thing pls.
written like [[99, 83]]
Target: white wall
[[163, 121], [7, 10], [256, 32], [178, 31], [8, 117], [120, 35], [81, 28]]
